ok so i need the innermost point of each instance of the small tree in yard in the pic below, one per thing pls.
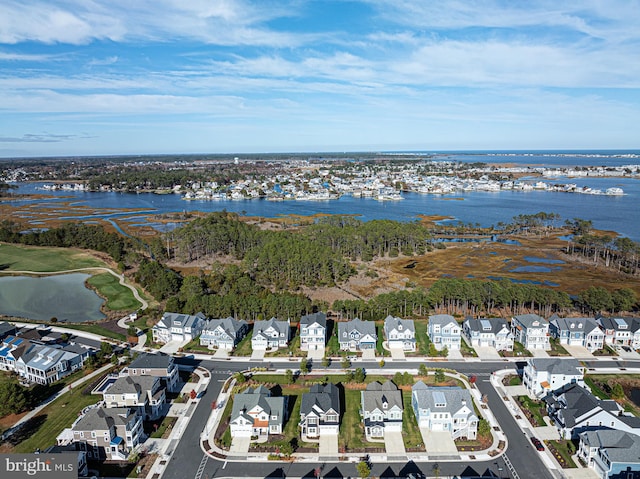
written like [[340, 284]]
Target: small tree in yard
[[286, 449], [345, 363], [363, 469], [439, 376], [304, 366], [422, 370], [288, 374], [617, 392]]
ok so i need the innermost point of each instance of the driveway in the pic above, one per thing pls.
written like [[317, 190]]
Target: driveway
[[221, 353], [369, 354], [397, 353], [239, 446], [258, 354], [438, 444], [578, 351], [328, 447], [539, 353], [394, 444], [454, 354], [172, 347], [487, 352], [316, 353]]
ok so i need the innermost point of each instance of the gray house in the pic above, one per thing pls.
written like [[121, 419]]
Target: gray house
[[145, 393], [177, 327], [583, 332], [270, 334], [444, 332], [532, 331], [256, 413], [223, 333], [381, 409], [320, 411], [488, 332], [313, 331], [610, 453], [356, 335], [160, 365]]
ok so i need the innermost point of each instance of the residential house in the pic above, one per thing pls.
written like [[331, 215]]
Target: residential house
[[313, 331], [532, 331], [7, 329], [381, 409], [583, 332], [178, 327], [12, 349], [488, 332], [110, 434], [611, 454], [159, 365], [256, 413], [357, 335], [146, 393], [444, 332], [271, 334], [400, 333], [223, 333], [543, 375], [574, 410], [620, 331], [320, 411], [46, 364], [445, 409]]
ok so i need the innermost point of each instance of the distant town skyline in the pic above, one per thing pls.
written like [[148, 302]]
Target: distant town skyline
[[241, 76]]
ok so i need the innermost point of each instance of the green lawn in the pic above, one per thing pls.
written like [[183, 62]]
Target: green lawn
[[380, 332], [410, 430], [556, 348], [351, 429], [118, 297], [42, 259], [534, 410], [422, 338]]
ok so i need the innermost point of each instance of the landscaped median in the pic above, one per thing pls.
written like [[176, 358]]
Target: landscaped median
[[351, 436]]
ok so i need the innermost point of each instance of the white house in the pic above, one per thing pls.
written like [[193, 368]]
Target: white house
[[543, 375], [488, 332], [223, 333], [400, 333], [313, 331], [320, 412], [532, 331], [270, 334], [178, 327], [444, 332], [620, 331], [445, 409], [611, 453]]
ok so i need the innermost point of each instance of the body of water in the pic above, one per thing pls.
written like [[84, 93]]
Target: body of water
[[615, 213], [62, 296]]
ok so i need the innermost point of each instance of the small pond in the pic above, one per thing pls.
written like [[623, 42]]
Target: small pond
[[61, 296]]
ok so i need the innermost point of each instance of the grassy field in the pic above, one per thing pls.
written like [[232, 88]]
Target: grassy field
[[118, 297], [45, 260]]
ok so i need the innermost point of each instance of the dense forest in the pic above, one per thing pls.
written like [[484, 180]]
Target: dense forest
[[254, 273]]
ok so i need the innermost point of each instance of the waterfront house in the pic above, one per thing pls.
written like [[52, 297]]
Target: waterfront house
[[620, 331], [357, 335], [381, 409], [444, 332], [400, 333], [159, 365], [46, 364], [271, 334], [574, 410], [532, 331], [444, 409], [583, 332], [320, 411], [145, 393], [611, 454], [255, 413], [7, 329], [313, 331], [543, 375], [106, 433], [223, 333], [488, 332], [11, 350], [178, 327]]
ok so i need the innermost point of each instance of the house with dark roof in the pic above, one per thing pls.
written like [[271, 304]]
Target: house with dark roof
[[444, 332], [583, 332], [532, 331], [105, 433], [574, 410], [159, 365], [255, 413], [381, 409], [7, 329], [313, 331], [620, 331], [357, 335], [223, 333], [46, 364], [610, 453], [178, 327], [320, 412], [12, 349], [146, 393], [271, 334], [445, 409], [488, 332], [543, 375], [400, 333]]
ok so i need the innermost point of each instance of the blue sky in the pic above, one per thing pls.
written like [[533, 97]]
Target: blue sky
[[97, 77]]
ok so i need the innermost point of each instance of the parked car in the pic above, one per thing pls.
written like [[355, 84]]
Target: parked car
[[536, 442]]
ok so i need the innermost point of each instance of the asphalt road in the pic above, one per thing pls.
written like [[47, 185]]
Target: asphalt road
[[188, 461]]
